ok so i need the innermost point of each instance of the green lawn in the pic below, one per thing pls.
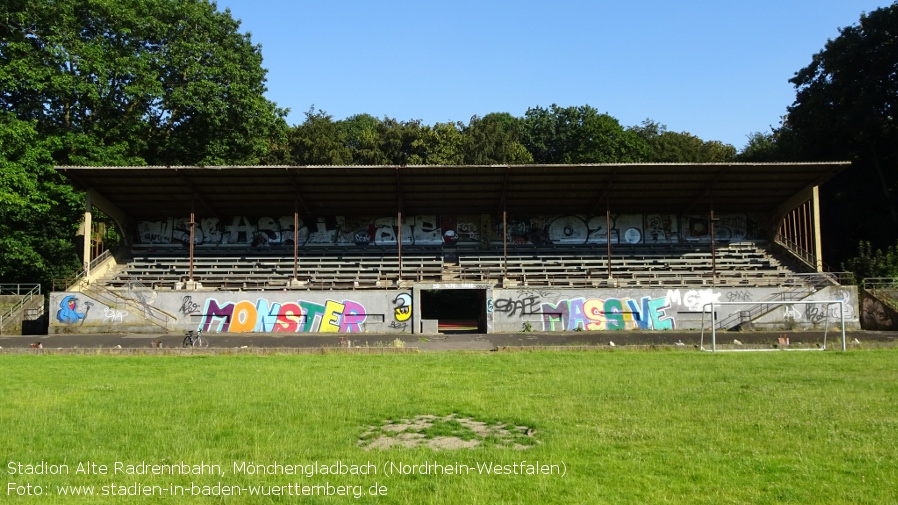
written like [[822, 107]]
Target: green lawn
[[622, 426]]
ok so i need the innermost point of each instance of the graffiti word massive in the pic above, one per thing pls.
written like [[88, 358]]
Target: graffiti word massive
[[292, 317], [611, 314]]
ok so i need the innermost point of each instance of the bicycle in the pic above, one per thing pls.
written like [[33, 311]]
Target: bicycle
[[194, 338]]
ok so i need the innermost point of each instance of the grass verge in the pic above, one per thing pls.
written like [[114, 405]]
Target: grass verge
[[622, 427]]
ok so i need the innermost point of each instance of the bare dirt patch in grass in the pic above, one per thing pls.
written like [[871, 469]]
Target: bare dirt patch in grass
[[446, 433]]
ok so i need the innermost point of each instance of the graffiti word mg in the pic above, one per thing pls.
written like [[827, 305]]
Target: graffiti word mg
[[694, 300]]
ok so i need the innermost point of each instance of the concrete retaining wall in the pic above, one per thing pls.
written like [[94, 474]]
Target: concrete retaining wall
[[398, 311]]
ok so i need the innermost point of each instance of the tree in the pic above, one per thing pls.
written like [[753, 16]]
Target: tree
[[579, 135], [445, 144], [761, 147], [869, 263], [671, 147], [361, 133], [401, 142], [318, 141], [38, 210], [845, 108], [495, 139], [155, 81]]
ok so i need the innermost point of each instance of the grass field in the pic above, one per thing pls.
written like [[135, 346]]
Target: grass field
[[606, 427]]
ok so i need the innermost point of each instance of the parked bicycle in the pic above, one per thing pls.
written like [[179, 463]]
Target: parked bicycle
[[194, 338]]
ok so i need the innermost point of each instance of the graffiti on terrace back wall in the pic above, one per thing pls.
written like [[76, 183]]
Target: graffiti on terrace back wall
[[568, 229], [265, 316]]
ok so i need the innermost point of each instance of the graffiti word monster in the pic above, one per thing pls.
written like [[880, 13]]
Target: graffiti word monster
[[245, 316]]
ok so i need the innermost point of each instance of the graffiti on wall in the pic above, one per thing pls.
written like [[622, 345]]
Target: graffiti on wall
[[69, 313], [244, 316], [612, 313], [693, 300], [727, 227], [424, 229], [876, 315], [661, 229], [402, 311], [595, 314]]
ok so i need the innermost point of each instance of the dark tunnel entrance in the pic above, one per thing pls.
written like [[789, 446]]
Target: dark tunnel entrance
[[456, 310]]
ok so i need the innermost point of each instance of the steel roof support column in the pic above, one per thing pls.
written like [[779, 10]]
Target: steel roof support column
[[713, 248], [295, 243], [399, 204], [504, 242], [608, 240], [399, 243], [88, 232], [818, 239], [192, 234]]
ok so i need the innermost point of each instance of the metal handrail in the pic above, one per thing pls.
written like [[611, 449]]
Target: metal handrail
[[76, 276], [880, 283], [34, 291]]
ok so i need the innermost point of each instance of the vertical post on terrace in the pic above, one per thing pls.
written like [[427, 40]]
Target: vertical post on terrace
[[504, 242], [295, 241], [713, 249], [88, 231], [192, 232], [399, 241], [608, 239]]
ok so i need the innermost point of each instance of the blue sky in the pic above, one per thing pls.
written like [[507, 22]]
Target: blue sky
[[716, 69]]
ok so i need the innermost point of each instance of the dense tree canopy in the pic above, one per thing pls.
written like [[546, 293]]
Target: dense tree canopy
[[580, 135], [108, 82], [38, 210], [670, 147], [845, 109], [155, 81], [544, 135]]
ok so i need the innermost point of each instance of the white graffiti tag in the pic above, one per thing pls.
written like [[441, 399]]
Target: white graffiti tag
[[790, 313], [694, 300], [113, 316]]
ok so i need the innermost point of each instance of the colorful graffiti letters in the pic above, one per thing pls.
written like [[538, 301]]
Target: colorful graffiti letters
[[291, 317], [611, 314]]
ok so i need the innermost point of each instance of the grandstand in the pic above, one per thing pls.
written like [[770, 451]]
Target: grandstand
[[376, 249]]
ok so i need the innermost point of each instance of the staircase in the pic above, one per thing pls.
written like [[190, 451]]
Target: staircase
[[132, 298], [736, 320], [452, 271]]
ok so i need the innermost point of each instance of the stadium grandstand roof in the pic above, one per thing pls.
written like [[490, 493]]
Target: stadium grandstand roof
[[149, 192]]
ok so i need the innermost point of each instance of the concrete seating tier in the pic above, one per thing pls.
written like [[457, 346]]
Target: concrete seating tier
[[744, 264]]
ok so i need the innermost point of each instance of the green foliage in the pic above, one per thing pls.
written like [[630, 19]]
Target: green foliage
[[845, 106], [873, 263], [361, 134], [317, 141], [495, 139], [38, 210], [155, 82], [670, 147], [580, 135], [761, 147], [103, 82], [553, 135]]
